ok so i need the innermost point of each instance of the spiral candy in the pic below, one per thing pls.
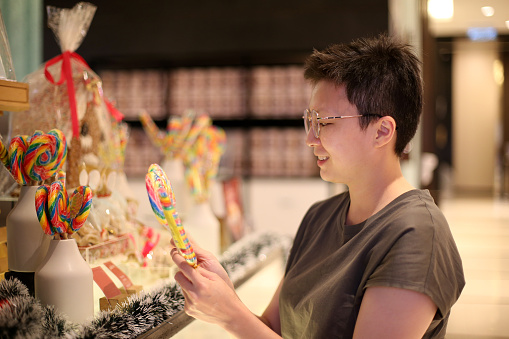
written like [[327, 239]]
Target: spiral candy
[[17, 150], [58, 207], [57, 213], [45, 155], [41, 207], [80, 203], [162, 201], [4, 154]]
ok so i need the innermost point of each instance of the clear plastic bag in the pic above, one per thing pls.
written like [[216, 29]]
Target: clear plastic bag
[[66, 94]]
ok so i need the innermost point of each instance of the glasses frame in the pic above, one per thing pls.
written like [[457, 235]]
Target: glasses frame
[[312, 117]]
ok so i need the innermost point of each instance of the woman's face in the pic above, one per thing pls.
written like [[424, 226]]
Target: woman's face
[[342, 147]]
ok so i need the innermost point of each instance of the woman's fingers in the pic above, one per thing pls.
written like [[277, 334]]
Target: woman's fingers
[[184, 267]]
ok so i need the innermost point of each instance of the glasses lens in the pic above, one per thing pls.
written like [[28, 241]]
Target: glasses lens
[[307, 120], [314, 124]]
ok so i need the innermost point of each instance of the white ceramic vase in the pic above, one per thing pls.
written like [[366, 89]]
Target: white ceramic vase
[[26, 242], [64, 279], [204, 227]]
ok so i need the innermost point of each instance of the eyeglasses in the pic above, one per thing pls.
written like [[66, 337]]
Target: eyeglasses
[[312, 121]]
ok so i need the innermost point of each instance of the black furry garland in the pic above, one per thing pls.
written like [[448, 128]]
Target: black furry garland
[[22, 316]]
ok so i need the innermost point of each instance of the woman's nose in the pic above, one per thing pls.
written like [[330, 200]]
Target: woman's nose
[[311, 140]]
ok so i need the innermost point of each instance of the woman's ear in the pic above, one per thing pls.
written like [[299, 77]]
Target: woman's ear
[[385, 131]]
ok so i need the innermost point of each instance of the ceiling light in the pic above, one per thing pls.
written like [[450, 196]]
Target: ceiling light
[[487, 10], [482, 33], [441, 9]]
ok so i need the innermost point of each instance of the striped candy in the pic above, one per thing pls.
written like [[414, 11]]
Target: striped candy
[[80, 203], [36, 157], [162, 201], [17, 150], [41, 207], [57, 213]]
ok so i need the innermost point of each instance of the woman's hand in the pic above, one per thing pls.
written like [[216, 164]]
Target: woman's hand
[[207, 261], [210, 296], [207, 289]]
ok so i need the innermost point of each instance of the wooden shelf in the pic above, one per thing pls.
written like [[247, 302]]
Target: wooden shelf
[[13, 96]]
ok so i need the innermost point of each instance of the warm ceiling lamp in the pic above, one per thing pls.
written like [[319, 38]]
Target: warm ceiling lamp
[[441, 9], [487, 10]]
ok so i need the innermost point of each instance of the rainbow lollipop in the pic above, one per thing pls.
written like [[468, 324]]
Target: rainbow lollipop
[[4, 154], [162, 201], [57, 213], [41, 207], [58, 207], [79, 208], [17, 150]]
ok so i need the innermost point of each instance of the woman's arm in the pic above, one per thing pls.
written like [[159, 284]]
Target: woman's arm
[[388, 312], [271, 314]]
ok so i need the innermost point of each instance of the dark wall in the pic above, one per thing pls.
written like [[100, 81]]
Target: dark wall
[[210, 32]]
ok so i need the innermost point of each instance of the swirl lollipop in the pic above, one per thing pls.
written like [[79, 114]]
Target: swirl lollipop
[[162, 201], [58, 207], [4, 154], [79, 208], [17, 150], [41, 207], [45, 154]]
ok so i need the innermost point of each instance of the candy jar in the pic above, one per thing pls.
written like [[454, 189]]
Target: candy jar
[[26, 242], [65, 280], [204, 227]]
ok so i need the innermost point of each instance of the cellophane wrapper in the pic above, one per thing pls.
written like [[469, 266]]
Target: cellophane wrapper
[[49, 102]]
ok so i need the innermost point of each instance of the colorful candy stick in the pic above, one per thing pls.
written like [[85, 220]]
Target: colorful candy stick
[[61, 148], [162, 201], [80, 203], [17, 150], [4, 155], [155, 135], [60, 176], [41, 207], [201, 122], [58, 208], [179, 131]]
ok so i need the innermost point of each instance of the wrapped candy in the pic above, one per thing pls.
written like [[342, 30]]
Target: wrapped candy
[[66, 94]]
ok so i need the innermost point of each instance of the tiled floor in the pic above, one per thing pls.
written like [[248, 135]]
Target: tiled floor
[[481, 229]]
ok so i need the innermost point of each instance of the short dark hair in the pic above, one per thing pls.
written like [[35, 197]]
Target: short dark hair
[[382, 76]]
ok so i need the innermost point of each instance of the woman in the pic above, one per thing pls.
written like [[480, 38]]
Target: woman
[[377, 261]]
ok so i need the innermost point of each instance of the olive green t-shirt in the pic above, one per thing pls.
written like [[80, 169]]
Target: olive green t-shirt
[[408, 244]]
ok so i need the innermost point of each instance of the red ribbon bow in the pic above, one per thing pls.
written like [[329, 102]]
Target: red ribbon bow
[[66, 76]]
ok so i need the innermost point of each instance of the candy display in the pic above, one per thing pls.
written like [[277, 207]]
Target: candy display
[[162, 201], [180, 133], [59, 214], [66, 94], [197, 142], [36, 158], [202, 161]]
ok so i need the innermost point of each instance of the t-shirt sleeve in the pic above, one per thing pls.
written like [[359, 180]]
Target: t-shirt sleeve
[[420, 255]]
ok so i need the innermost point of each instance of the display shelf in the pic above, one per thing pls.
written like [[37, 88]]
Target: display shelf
[[259, 106], [154, 313], [13, 96]]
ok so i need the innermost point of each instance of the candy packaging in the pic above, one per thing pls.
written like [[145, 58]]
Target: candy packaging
[[66, 94]]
